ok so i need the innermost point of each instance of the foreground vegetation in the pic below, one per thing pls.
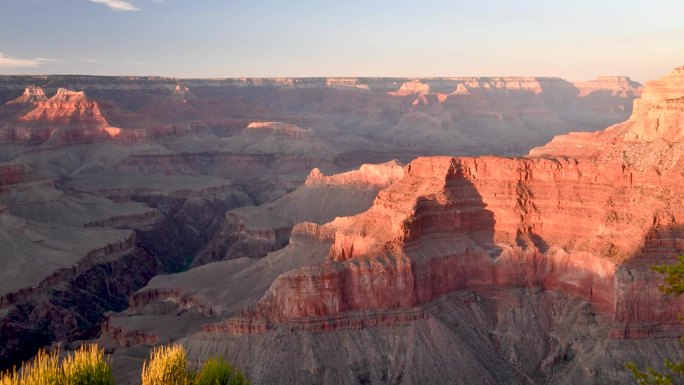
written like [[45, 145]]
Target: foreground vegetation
[[89, 366], [85, 366]]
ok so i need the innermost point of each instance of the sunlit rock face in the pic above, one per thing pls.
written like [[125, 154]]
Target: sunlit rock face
[[658, 114], [456, 223], [31, 96], [496, 269], [67, 117], [650, 139], [67, 107], [526, 269], [256, 230]]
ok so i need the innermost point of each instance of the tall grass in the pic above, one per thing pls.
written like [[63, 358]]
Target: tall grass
[[167, 366], [88, 365], [85, 366]]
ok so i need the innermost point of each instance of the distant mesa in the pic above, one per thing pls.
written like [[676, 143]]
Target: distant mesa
[[466, 85], [422, 90], [435, 89], [66, 107], [278, 129], [621, 86], [345, 83], [31, 96], [66, 110], [414, 87]]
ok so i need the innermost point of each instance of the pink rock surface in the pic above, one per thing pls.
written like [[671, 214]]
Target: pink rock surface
[[621, 86], [587, 226]]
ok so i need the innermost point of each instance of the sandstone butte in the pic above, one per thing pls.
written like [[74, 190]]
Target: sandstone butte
[[586, 215], [65, 117]]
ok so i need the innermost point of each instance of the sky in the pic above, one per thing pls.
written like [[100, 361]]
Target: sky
[[576, 40]]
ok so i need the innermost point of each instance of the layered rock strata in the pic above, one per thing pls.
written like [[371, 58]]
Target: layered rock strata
[[621, 86], [457, 223], [253, 231], [454, 223]]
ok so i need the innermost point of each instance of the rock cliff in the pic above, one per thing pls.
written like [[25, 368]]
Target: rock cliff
[[456, 223], [449, 242], [510, 262], [650, 138], [254, 231], [621, 86]]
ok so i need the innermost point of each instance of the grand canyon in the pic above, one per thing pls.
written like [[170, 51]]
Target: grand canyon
[[465, 230]]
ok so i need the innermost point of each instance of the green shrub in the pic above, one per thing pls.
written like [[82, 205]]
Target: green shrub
[[167, 366], [216, 371], [86, 366]]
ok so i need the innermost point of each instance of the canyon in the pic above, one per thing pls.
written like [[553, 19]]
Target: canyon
[[345, 230]]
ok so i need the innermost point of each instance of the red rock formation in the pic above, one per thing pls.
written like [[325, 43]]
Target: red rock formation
[[422, 92], [15, 173], [32, 95], [68, 116], [588, 226], [651, 138], [659, 114], [67, 108]]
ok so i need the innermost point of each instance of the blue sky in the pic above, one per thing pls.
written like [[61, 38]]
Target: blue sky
[[234, 38]]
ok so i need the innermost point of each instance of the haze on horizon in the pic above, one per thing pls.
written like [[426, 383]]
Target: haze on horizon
[[576, 40]]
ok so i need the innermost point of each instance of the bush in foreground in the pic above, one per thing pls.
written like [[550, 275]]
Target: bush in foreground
[[85, 366], [88, 366], [216, 371], [168, 366]]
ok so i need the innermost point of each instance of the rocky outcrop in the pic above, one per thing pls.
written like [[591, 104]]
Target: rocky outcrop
[[381, 175], [67, 117], [414, 87], [621, 86], [457, 223], [32, 95], [421, 91], [11, 174], [383, 281], [527, 84], [659, 114], [650, 139], [66, 108], [256, 230]]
